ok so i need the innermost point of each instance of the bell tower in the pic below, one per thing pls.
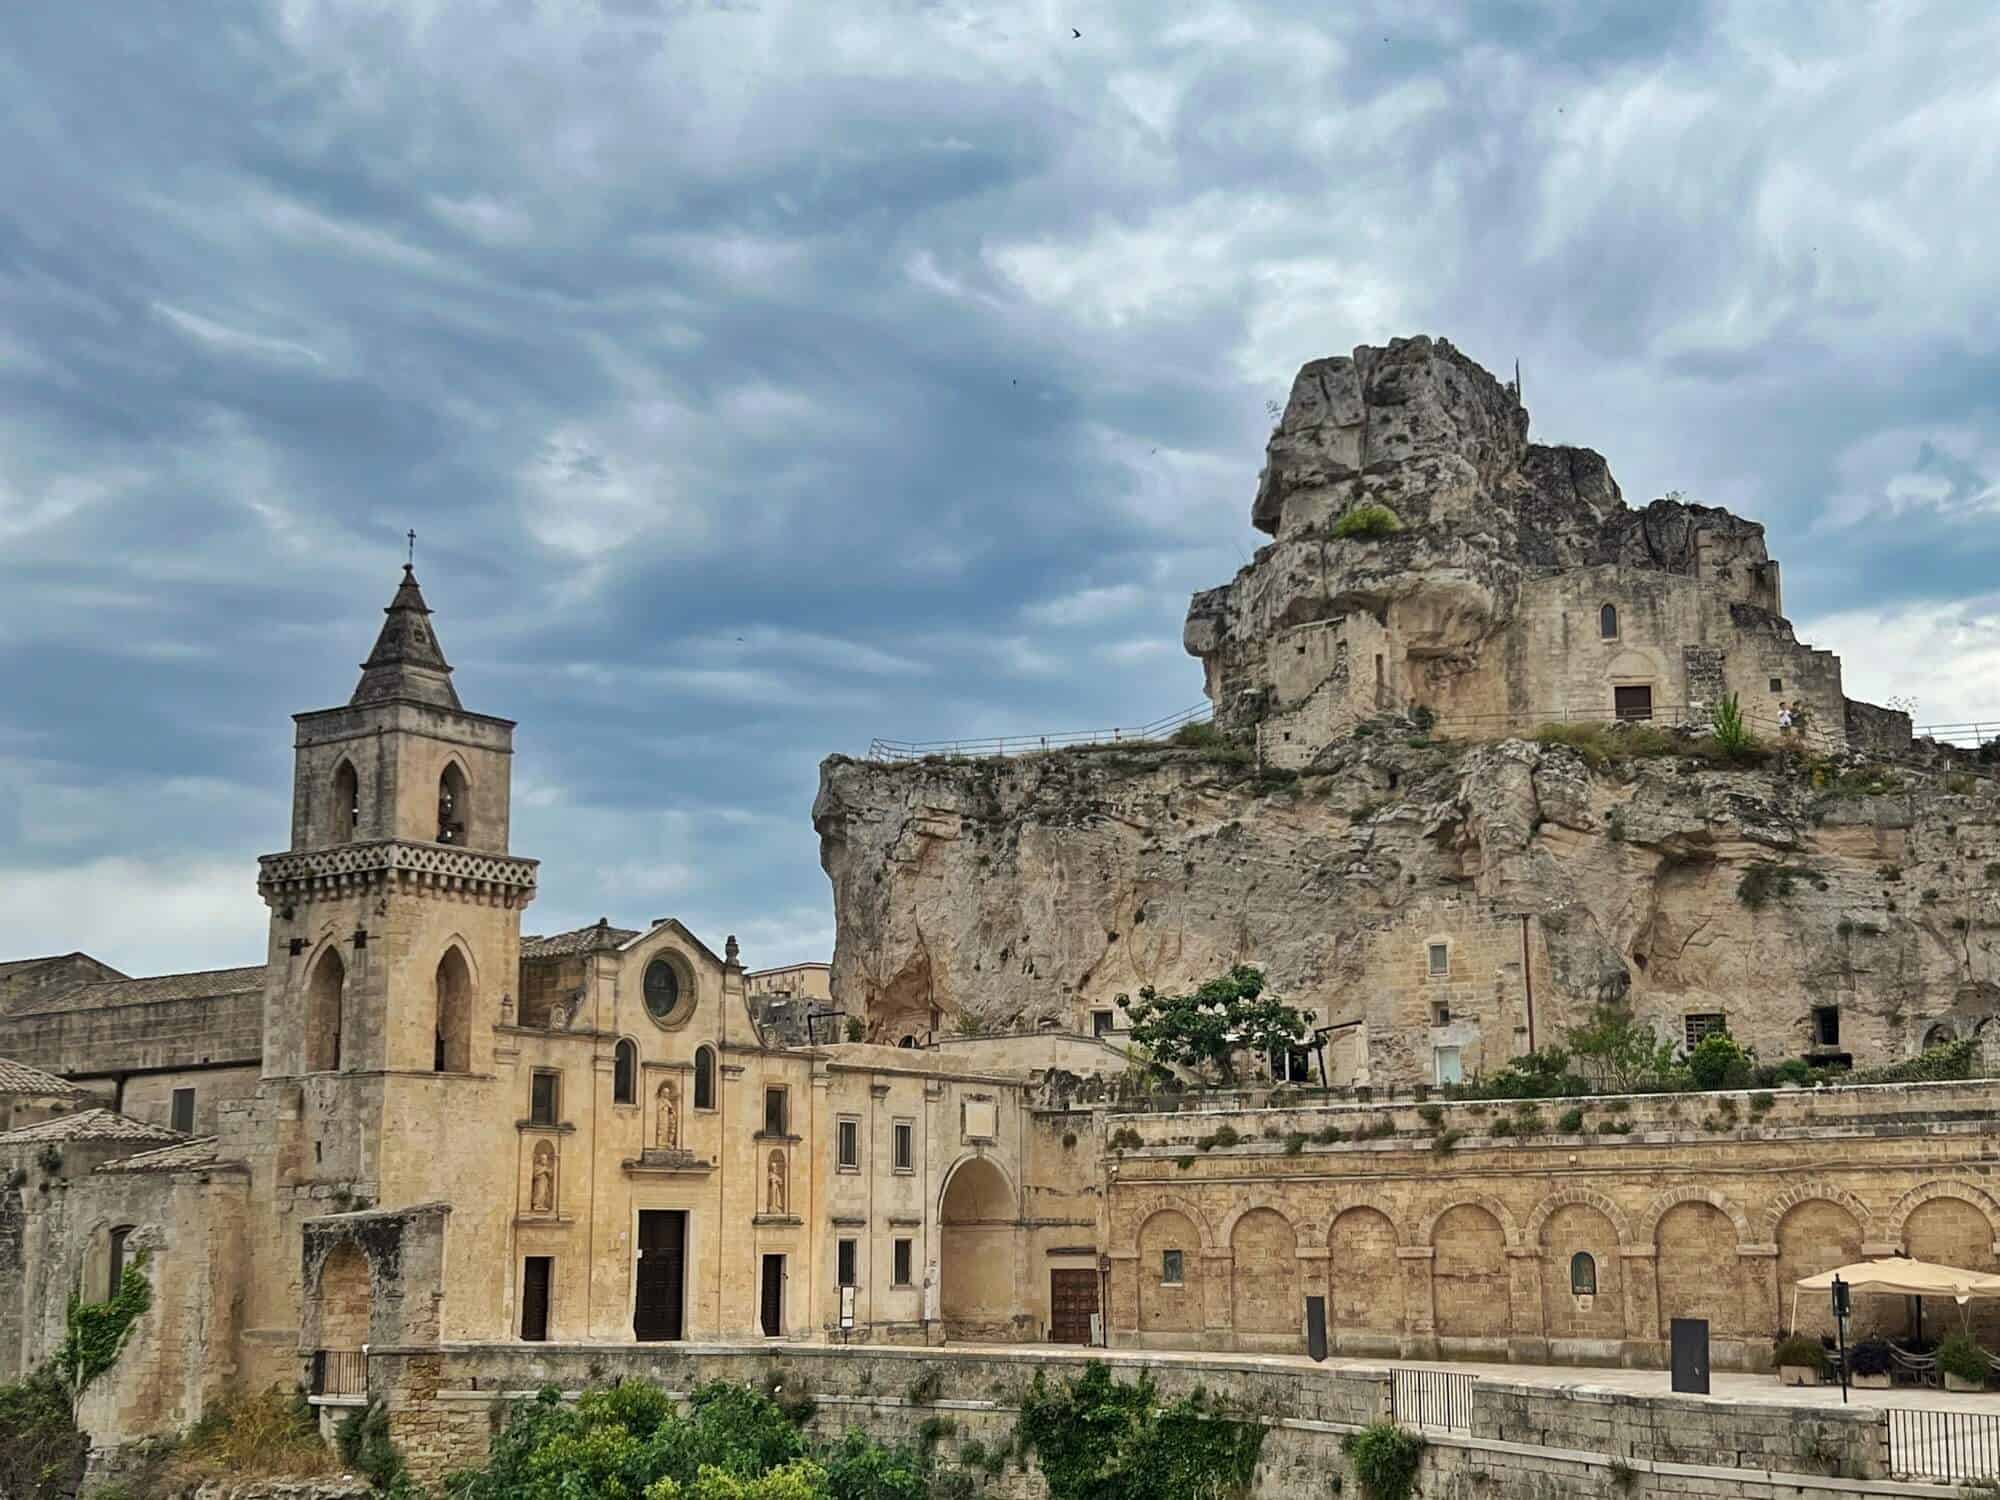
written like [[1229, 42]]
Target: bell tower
[[395, 917]]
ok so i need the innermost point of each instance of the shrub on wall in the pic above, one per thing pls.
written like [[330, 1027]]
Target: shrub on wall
[[95, 1332], [1097, 1439], [1367, 521], [1385, 1460]]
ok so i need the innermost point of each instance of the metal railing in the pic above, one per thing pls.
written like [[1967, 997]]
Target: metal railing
[[339, 1372], [1433, 1398], [1967, 736], [1955, 1446], [1030, 744]]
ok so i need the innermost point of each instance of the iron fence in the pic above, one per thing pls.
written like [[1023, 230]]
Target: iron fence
[[1433, 1398], [340, 1372], [1955, 1446], [1029, 744]]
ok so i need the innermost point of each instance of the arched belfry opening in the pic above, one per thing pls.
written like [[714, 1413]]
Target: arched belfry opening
[[346, 807], [979, 1230], [326, 993], [454, 805], [453, 1051]]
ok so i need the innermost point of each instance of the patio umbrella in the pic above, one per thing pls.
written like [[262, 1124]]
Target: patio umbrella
[[1899, 1276]]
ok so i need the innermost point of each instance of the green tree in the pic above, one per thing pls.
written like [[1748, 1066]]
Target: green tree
[[1207, 1028], [1618, 1053], [1718, 1062]]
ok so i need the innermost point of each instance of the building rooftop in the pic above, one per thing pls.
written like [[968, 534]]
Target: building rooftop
[[600, 934], [204, 984], [91, 1125], [183, 1156], [19, 1078]]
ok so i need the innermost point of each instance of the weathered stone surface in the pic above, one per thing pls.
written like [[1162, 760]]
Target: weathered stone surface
[[1008, 893]]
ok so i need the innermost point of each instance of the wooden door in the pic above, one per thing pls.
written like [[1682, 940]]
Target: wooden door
[[657, 1304], [771, 1304], [535, 1298], [1072, 1299]]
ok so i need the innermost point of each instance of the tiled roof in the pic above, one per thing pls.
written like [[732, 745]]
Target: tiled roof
[[206, 984], [199, 1152], [19, 1078], [580, 940], [91, 1125]]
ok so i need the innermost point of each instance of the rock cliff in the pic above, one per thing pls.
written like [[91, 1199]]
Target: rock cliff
[[1395, 842], [1006, 893]]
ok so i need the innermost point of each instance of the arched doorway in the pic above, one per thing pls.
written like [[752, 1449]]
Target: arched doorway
[[324, 995], [979, 1252], [453, 1046]]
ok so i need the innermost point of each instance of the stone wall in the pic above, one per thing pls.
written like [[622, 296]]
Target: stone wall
[[1455, 1229], [1541, 1441]]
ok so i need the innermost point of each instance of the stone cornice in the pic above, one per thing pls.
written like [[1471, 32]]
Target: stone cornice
[[406, 865]]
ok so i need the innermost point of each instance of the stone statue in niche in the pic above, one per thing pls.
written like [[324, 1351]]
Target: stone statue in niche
[[542, 1189], [667, 1121], [775, 1188]]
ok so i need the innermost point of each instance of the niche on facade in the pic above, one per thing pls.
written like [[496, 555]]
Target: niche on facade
[[397, 1254], [542, 1179]]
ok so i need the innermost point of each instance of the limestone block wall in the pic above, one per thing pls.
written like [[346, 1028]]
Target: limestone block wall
[[1537, 1441], [398, 752], [103, 1042], [1459, 1231]]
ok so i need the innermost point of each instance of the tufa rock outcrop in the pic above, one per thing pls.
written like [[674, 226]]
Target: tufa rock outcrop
[[1446, 896]]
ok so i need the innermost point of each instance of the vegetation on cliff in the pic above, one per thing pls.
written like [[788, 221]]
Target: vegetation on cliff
[[631, 1441], [1099, 1439], [1209, 1027]]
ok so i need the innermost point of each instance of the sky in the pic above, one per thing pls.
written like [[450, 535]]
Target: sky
[[764, 377]]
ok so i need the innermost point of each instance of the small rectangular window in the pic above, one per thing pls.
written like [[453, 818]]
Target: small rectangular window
[[1777, 684], [1440, 1014], [846, 1262], [900, 1258], [1446, 1065], [1826, 1025], [1440, 956], [1170, 1267], [183, 1120], [543, 1098], [774, 1112], [906, 1146], [1700, 1024], [1100, 1023], [847, 1137]]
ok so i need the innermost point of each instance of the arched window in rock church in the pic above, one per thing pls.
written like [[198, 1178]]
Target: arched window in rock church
[[454, 805], [625, 1073], [346, 823], [1607, 623]]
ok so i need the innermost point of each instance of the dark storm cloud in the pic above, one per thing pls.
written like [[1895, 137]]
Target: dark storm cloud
[[762, 378]]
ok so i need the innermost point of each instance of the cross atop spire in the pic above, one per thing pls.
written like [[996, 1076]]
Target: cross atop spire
[[407, 661]]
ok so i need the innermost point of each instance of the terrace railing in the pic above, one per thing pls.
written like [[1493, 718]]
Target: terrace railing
[[1032, 744], [1433, 1398], [1957, 1447], [339, 1372]]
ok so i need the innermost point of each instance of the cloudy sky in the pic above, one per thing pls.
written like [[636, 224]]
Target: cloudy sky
[[761, 377]]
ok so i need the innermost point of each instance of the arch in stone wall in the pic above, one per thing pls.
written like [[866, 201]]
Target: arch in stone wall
[[1580, 1225], [1939, 1187], [1502, 1214], [1264, 1294], [345, 1291], [1365, 1277], [454, 985], [1307, 1231], [1952, 1224], [1152, 1203], [1773, 1213], [326, 1037], [1470, 1281], [1170, 1307], [1668, 1201], [1697, 1269], [1351, 1198], [1814, 1232], [1621, 1223]]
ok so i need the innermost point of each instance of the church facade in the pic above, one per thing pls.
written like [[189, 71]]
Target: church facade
[[442, 1130]]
